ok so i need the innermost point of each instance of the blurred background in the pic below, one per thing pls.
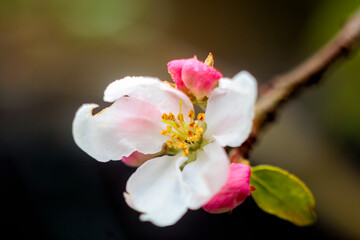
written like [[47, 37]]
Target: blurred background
[[57, 55]]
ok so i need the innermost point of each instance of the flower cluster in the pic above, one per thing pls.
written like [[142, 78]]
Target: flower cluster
[[180, 157]]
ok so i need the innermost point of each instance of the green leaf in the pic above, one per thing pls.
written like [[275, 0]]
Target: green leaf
[[282, 194]]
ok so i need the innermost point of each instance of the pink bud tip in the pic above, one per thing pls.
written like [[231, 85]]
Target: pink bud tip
[[234, 192], [194, 77]]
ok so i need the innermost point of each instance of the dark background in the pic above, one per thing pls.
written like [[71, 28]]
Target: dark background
[[56, 55]]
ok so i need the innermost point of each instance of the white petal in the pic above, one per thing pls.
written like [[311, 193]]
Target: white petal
[[156, 189], [205, 176], [162, 95], [126, 126], [230, 110]]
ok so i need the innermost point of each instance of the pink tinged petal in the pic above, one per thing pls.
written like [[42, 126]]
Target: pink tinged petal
[[231, 109], [156, 189], [151, 90], [193, 76], [136, 158], [205, 176], [126, 126], [175, 69], [234, 192], [199, 78]]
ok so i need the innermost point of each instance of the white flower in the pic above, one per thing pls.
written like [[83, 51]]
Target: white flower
[[193, 165]]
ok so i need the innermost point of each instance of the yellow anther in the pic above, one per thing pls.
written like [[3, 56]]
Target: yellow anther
[[165, 132], [185, 151], [176, 137], [194, 138], [182, 135], [201, 117], [171, 116], [190, 133], [164, 116], [169, 143], [179, 139], [199, 130], [191, 114], [180, 117], [180, 145], [209, 60]]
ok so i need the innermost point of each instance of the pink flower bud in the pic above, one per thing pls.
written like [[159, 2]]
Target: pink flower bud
[[234, 192], [194, 77]]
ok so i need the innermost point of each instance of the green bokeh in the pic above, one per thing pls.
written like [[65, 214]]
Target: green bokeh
[[81, 18]]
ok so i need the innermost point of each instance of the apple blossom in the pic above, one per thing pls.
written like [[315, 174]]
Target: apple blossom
[[149, 118]]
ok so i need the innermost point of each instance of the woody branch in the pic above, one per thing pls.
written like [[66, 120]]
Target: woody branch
[[281, 89]]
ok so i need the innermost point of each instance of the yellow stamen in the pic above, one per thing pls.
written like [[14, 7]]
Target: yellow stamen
[[165, 132], [201, 117], [180, 145], [191, 114], [171, 116], [185, 151], [175, 137], [180, 117], [169, 143], [192, 124], [199, 130], [190, 133], [197, 136], [176, 126], [164, 116], [178, 138], [182, 135]]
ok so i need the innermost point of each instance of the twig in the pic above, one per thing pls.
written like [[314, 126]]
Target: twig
[[282, 88]]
